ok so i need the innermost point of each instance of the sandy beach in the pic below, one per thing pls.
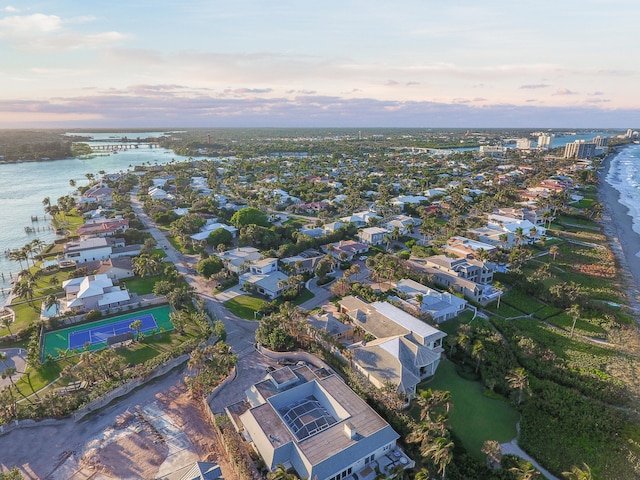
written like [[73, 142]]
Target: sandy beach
[[625, 242]]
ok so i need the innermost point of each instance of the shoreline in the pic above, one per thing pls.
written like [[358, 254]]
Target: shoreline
[[617, 225]]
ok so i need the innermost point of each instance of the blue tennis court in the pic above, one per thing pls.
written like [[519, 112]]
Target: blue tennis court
[[78, 339]]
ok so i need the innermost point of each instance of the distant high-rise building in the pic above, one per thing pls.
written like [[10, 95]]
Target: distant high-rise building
[[523, 144], [579, 149], [601, 142], [544, 141]]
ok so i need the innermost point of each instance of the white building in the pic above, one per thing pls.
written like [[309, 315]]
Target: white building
[[94, 292], [373, 235], [317, 426], [265, 278], [442, 306], [405, 351]]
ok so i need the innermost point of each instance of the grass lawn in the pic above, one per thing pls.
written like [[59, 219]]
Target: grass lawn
[[25, 316], [450, 327], [245, 306], [142, 286], [504, 310], [474, 417], [521, 301], [303, 297]]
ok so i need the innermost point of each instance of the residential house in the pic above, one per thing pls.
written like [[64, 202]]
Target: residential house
[[331, 325], [313, 423], [401, 200], [265, 278], [237, 260], [114, 268], [373, 235], [441, 306], [157, 193], [92, 249], [211, 226], [509, 224], [361, 219], [305, 262], [102, 227], [332, 226], [477, 292], [405, 351], [97, 194], [494, 236], [404, 223], [203, 471], [463, 247], [350, 248], [469, 268], [94, 292]]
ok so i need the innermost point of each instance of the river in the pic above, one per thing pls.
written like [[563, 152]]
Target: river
[[25, 185]]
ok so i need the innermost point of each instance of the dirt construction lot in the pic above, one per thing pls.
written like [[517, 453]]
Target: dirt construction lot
[[151, 434]]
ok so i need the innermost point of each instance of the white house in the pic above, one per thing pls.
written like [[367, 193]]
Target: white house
[[237, 260], [316, 425], [405, 351], [91, 249], [373, 235], [442, 306], [361, 218], [265, 278], [95, 292], [404, 223]]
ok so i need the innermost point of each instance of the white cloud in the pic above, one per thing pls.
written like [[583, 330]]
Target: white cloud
[[42, 32], [11, 9], [23, 25]]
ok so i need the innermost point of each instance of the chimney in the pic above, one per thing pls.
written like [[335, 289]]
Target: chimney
[[350, 431]]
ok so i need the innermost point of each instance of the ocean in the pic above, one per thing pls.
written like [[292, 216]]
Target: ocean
[[624, 176], [25, 185]]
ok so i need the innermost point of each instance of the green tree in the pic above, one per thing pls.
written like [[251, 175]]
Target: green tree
[[209, 266], [249, 216], [220, 236], [13, 474]]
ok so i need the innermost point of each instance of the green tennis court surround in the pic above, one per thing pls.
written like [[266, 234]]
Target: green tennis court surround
[[96, 333]]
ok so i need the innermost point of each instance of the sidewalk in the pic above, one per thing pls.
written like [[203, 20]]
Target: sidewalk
[[512, 448]]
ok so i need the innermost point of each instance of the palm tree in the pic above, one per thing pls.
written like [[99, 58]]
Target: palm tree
[[9, 372], [17, 256], [518, 380], [519, 232], [525, 472], [387, 240], [50, 301], [577, 473], [491, 448], [574, 313], [5, 322], [136, 326], [477, 352], [554, 250], [498, 286], [280, 473], [441, 452]]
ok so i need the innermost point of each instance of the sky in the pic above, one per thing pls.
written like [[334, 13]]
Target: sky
[[329, 63]]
